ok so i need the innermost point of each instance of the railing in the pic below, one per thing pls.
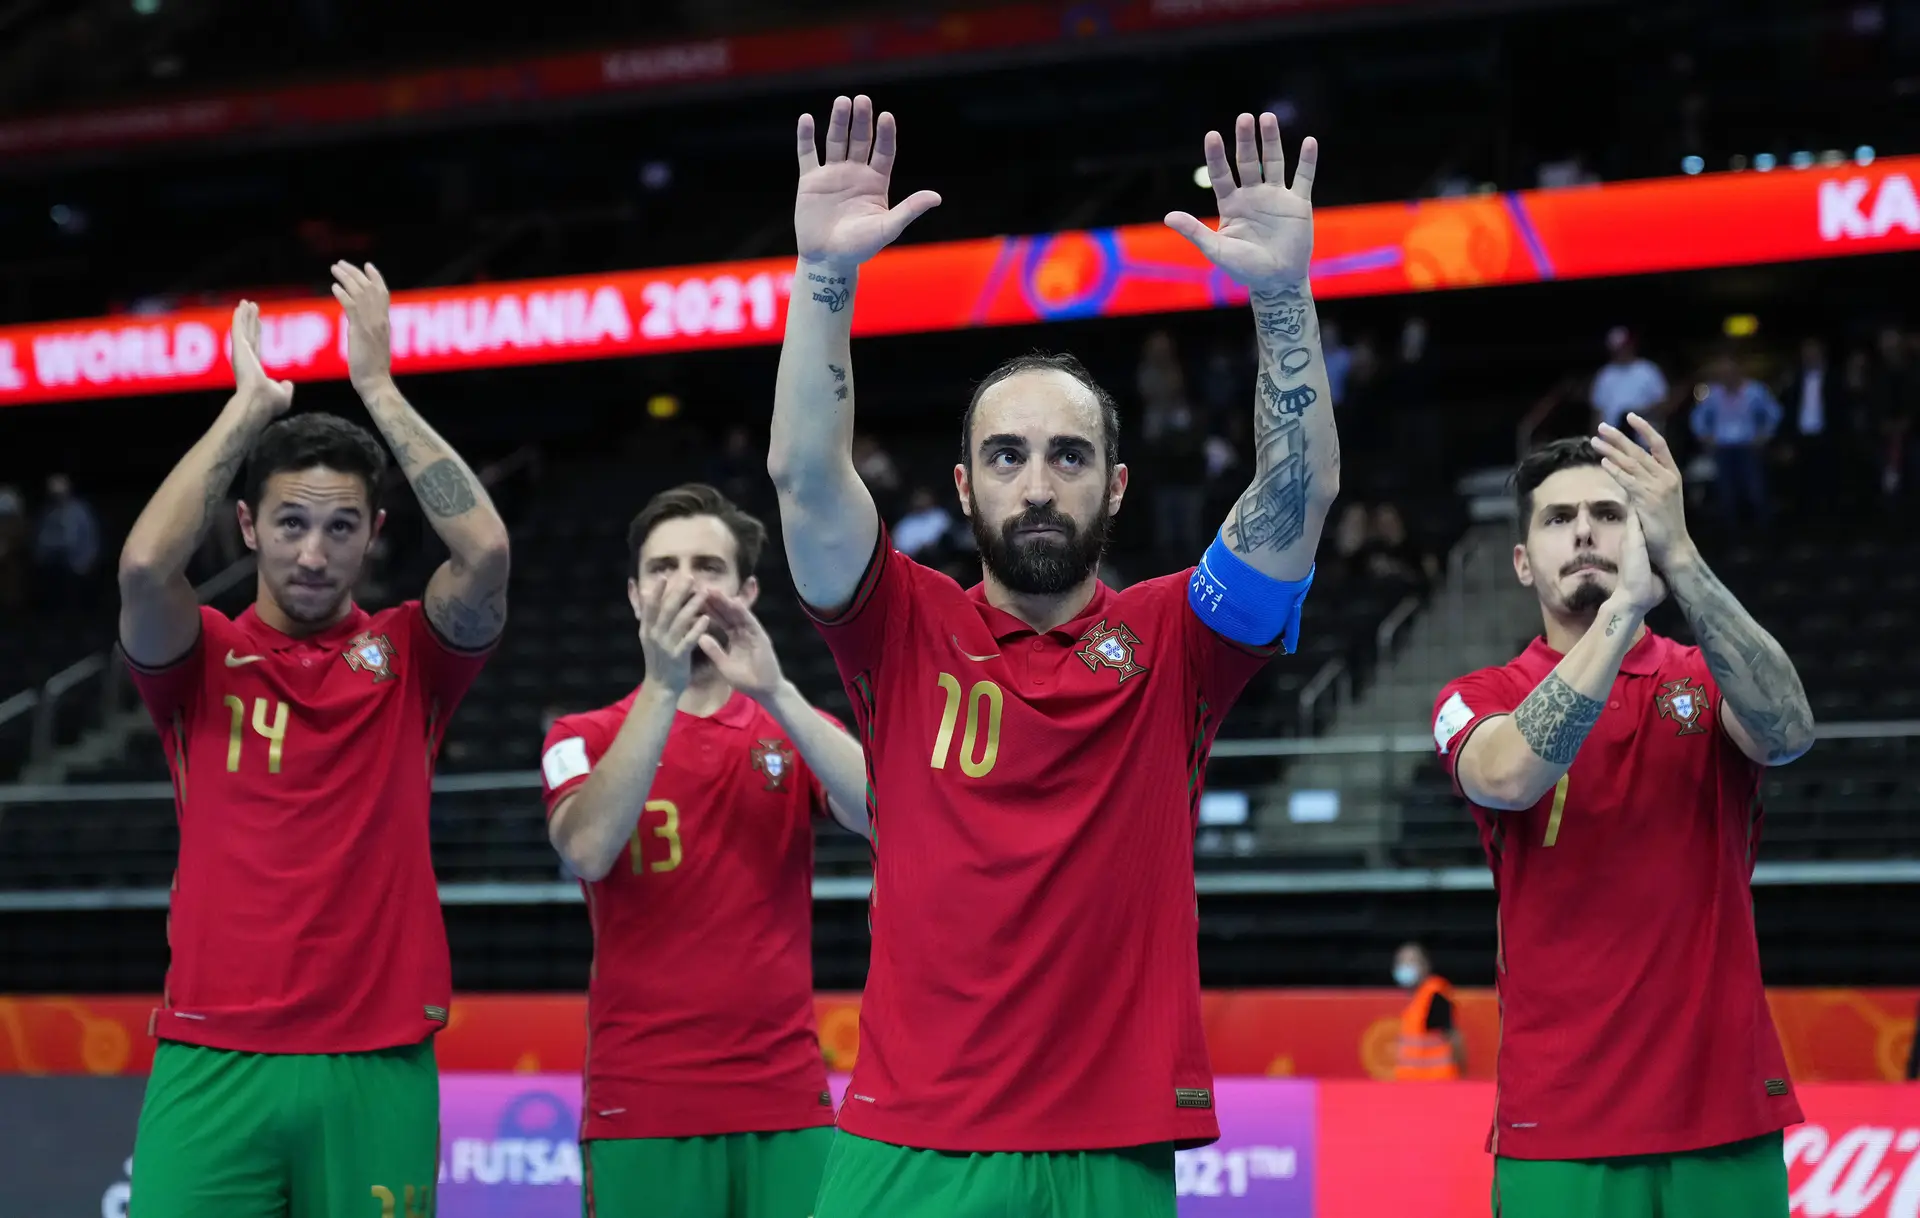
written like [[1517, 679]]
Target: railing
[[1270, 874]]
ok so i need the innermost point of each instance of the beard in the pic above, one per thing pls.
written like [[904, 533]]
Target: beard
[[1588, 595], [303, 605], [1039, 566]]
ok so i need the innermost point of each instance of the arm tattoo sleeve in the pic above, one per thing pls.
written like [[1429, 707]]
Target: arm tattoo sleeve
[[1756, 678], [445, 489], [1555, 718]]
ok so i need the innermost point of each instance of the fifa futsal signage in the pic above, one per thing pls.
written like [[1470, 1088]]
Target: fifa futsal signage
[[1288, 1149], [1525, 237]]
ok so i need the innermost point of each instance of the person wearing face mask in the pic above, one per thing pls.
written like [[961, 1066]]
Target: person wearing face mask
[[1430, 1048]]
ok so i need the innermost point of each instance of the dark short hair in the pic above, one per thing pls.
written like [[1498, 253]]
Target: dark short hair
[[305, 441], [698, 499], [1542, 463], [1043, 361]]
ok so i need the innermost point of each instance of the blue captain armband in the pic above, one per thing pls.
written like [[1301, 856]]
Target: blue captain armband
[[1238, 602]]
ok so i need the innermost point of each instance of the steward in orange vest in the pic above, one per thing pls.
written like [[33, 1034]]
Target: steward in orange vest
[[1429, 1048]]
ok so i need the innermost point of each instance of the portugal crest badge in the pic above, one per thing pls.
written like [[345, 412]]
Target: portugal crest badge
[[1685, 703], [774, 760], [1118, 649], [372, 653]]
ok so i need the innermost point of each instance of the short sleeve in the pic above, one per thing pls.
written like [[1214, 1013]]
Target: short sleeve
[[858, 634], [817, 790], [1221, 666], [446, 671], [1460, 709], [574, 745], [170, 691]]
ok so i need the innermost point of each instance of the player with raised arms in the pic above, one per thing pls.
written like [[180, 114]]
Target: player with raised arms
[[1615, 776], [1030, 1037], [295, 1072], [687, 811]]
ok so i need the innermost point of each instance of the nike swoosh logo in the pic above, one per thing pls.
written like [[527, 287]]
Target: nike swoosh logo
[[963, 651], [234, 661]]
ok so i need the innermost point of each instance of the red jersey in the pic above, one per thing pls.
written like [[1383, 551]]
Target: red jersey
[[1035, 981], [700, 1010], [305, 917], [1633, 1019]]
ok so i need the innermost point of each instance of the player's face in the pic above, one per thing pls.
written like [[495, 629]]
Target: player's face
[[1571, 558], [312, 533], [699, 548], [1037, 490]]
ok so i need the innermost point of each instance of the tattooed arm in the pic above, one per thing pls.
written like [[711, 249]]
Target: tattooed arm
[[159, 612], [1762, 703], [466, 599], [840, 219], [1265, 242], [1510, 761], [1275, 526]]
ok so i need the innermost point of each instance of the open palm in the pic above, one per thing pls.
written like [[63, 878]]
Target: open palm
[[1265, 238], [249, 374], [840, 212]]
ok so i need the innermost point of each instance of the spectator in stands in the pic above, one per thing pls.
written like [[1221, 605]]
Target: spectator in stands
[[1392, 559], [739, 470], [1734, 419], [1818, 423], [13, 550], [876, 468], [1628, 383], [66, 545], [1892, 392], [1179, 447], [924, 529], [1339, 361], [1350, 534]]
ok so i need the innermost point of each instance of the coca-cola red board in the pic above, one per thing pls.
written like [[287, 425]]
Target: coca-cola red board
[[1830, 1035]]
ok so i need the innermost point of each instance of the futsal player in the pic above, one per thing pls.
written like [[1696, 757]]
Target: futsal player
[[1615, 777], [295, 1071], [1030, 1038], [687, 811]]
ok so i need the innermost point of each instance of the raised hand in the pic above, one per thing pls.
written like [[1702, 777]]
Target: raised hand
[[671, 623], [1651, 479], [1639, 585], [1265, 238], [840, 213], [363, 293], [250, 379], [747, 660]]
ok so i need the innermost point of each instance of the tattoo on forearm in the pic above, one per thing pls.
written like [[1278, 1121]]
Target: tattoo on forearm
[[1280, 314], [220, 480], [1758, 681], [1555, 718], [1613, 624], [472, 621], [1286, 401], [1272, 513], [445, 488], [1295, 361], [831, 292]]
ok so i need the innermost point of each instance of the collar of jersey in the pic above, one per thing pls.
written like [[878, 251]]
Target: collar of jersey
[[735, 712], [1005, 626], [1641, 660], [263, 635]]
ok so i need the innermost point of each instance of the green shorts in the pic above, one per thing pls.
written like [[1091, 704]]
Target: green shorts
[[731, 1175], [240, 1135], [1739, 1180], [866, 1178]]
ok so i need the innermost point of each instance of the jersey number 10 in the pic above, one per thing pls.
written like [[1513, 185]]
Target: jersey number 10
[[275, 733], [974, 762]]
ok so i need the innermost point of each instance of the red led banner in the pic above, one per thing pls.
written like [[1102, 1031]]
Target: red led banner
[[1630, 228]]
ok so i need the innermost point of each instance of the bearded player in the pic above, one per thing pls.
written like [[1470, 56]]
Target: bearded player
[[1030, 1038], [687, 811], [295, 1071], [1615, 776]]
